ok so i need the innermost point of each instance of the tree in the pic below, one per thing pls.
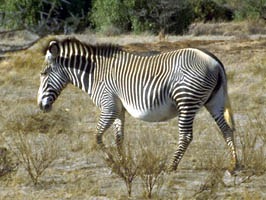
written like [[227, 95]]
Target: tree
[[251, 9], [170, 16], [45, 16], [110, 13]]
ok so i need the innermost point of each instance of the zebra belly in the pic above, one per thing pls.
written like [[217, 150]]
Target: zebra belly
[[160, 113]]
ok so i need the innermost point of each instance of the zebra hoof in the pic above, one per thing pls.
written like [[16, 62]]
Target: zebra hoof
[[171, 168], [235, 169]]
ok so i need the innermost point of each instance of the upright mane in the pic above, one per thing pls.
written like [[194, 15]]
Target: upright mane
[[102, 47]]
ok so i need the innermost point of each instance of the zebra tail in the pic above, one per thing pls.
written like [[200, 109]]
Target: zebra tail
[[228, 113]]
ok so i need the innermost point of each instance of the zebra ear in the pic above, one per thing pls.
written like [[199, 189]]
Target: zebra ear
[[54, 48]]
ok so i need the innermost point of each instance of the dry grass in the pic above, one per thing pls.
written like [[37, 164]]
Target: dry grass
[[123, 163], [252, 145], [240, 30], [7, 164], [153, 163], [81, 173], [144, 158], [34, 154]]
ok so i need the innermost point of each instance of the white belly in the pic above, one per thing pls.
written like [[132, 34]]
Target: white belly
[[161, 113]]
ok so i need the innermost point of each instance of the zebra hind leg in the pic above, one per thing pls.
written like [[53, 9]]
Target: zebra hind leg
[[229, 139], [217, 113]]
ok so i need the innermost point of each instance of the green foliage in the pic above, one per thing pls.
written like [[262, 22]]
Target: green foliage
[[250, 9], [140, 15], [20, 13], [181, 20], [170, 16], [108, 13], [44, 16], [113, 17], [139, 12], [209, 10]]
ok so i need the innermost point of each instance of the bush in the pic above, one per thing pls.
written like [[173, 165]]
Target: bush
[[110, 13], [24, 10], [170, 16], [152, 165], [123, 163], [141, 16], [208, 10], [7, 165], [253, 146], [35, 154], [144, 157], [250, 9], [44, 17]]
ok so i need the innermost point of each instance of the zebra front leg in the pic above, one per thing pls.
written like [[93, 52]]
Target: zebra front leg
[[185, 125]]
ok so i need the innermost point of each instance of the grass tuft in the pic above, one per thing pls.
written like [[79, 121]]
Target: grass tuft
[[34, 154], [123, 163], [253, 144]]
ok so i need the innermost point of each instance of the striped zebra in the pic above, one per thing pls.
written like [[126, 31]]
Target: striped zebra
[[152, 88]]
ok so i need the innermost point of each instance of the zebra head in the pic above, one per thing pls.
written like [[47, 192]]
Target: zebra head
[[52, 79]]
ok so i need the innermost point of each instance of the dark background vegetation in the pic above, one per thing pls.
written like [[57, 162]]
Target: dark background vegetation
[[122, 16]]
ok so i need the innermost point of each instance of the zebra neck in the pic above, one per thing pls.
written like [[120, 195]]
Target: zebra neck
[[82, 77]]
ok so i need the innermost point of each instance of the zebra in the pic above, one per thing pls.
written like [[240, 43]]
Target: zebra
[[151, 88]]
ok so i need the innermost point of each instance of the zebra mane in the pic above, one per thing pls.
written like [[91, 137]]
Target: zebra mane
[[104, 46]]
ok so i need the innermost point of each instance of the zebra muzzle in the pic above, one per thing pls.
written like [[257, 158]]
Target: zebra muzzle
[[46, 104]]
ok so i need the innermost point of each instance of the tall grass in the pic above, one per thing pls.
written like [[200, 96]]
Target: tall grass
[[35, 154], [252, 147], [123, 163], [145, 158]]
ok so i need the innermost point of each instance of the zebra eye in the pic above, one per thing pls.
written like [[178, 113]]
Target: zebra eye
[[46, 71]]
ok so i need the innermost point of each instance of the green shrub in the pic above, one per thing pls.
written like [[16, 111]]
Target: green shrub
[[140, 16], [169, 16], [109, 13], [250, 9], [44, 16], [209, 10], [27, 11]]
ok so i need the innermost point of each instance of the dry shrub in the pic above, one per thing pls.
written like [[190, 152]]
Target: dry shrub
[[256, 26], [152, 163], [253, 144], [31, 137], [7, 165], [123, 163], [201, 28], [214, 180], [239, 29], [145, 157], [111, 30], [35, 153], [31, 120]]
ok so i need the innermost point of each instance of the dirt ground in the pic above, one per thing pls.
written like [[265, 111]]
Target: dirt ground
[[79, 171]]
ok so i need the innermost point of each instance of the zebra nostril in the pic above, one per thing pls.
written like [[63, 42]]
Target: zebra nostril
[[46, 104], [46, 107]]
